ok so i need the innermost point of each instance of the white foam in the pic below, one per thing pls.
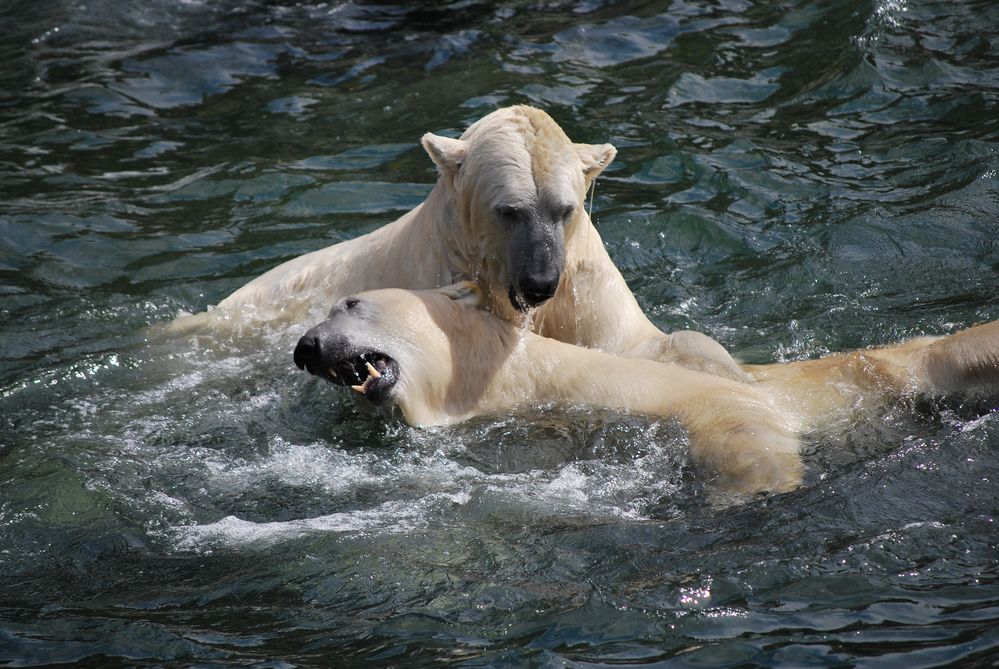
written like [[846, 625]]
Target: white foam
[[401, 516], [314, 465]]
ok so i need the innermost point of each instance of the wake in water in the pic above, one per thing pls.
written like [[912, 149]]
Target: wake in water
[[441, 478]]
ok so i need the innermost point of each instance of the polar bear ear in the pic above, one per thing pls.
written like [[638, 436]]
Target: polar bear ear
[[595, 158], [447, 153], [465, 292]]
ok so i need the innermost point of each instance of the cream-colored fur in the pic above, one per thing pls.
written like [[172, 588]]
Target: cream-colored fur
[[456, 361], [516, 155], [964, 362]]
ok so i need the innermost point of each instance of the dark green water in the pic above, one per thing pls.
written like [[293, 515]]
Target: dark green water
[[793, 178]]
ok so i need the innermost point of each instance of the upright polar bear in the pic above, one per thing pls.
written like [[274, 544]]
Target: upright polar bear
[[441, 362], [508, 212]]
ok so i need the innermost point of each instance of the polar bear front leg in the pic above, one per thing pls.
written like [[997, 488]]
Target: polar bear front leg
[[745, 451]]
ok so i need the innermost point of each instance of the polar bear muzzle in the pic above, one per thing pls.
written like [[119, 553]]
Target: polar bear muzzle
[[537, 257], [324, 352]]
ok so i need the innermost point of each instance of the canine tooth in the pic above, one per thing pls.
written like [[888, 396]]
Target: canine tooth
[[360, 389], [332, 372], [372, 371]]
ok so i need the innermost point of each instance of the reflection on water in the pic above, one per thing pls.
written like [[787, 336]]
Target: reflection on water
[[792, 178]]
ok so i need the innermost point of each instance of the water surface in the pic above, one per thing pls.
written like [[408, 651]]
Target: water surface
[[793, 178]]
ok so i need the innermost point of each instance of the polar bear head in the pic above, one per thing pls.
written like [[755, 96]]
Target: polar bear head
[[432, 353], [515, 187]]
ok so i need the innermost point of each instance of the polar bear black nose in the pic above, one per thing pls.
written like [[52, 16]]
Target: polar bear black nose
[[308, 350], [536, 289]]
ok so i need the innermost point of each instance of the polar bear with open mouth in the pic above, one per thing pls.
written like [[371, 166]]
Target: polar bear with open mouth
[[442, 360]]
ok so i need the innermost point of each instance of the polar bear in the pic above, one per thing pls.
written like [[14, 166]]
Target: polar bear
[[508, 212], [441, 361]]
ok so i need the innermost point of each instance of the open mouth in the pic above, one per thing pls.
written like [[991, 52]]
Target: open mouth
[[370, 373], [525, 301], [518, 301]]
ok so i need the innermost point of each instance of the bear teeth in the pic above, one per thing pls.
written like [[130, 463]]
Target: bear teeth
[[375, 371], [372, 379]]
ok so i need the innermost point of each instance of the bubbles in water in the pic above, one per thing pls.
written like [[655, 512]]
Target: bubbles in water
[[890, 12]]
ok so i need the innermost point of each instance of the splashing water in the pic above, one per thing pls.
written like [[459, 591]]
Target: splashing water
[[792, 179]]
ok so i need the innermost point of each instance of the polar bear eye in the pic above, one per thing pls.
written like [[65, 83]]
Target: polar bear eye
[[351, 302], [566, 212], [508, 214]]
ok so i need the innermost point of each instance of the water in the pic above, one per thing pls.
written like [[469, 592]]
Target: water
[[793, 178]]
